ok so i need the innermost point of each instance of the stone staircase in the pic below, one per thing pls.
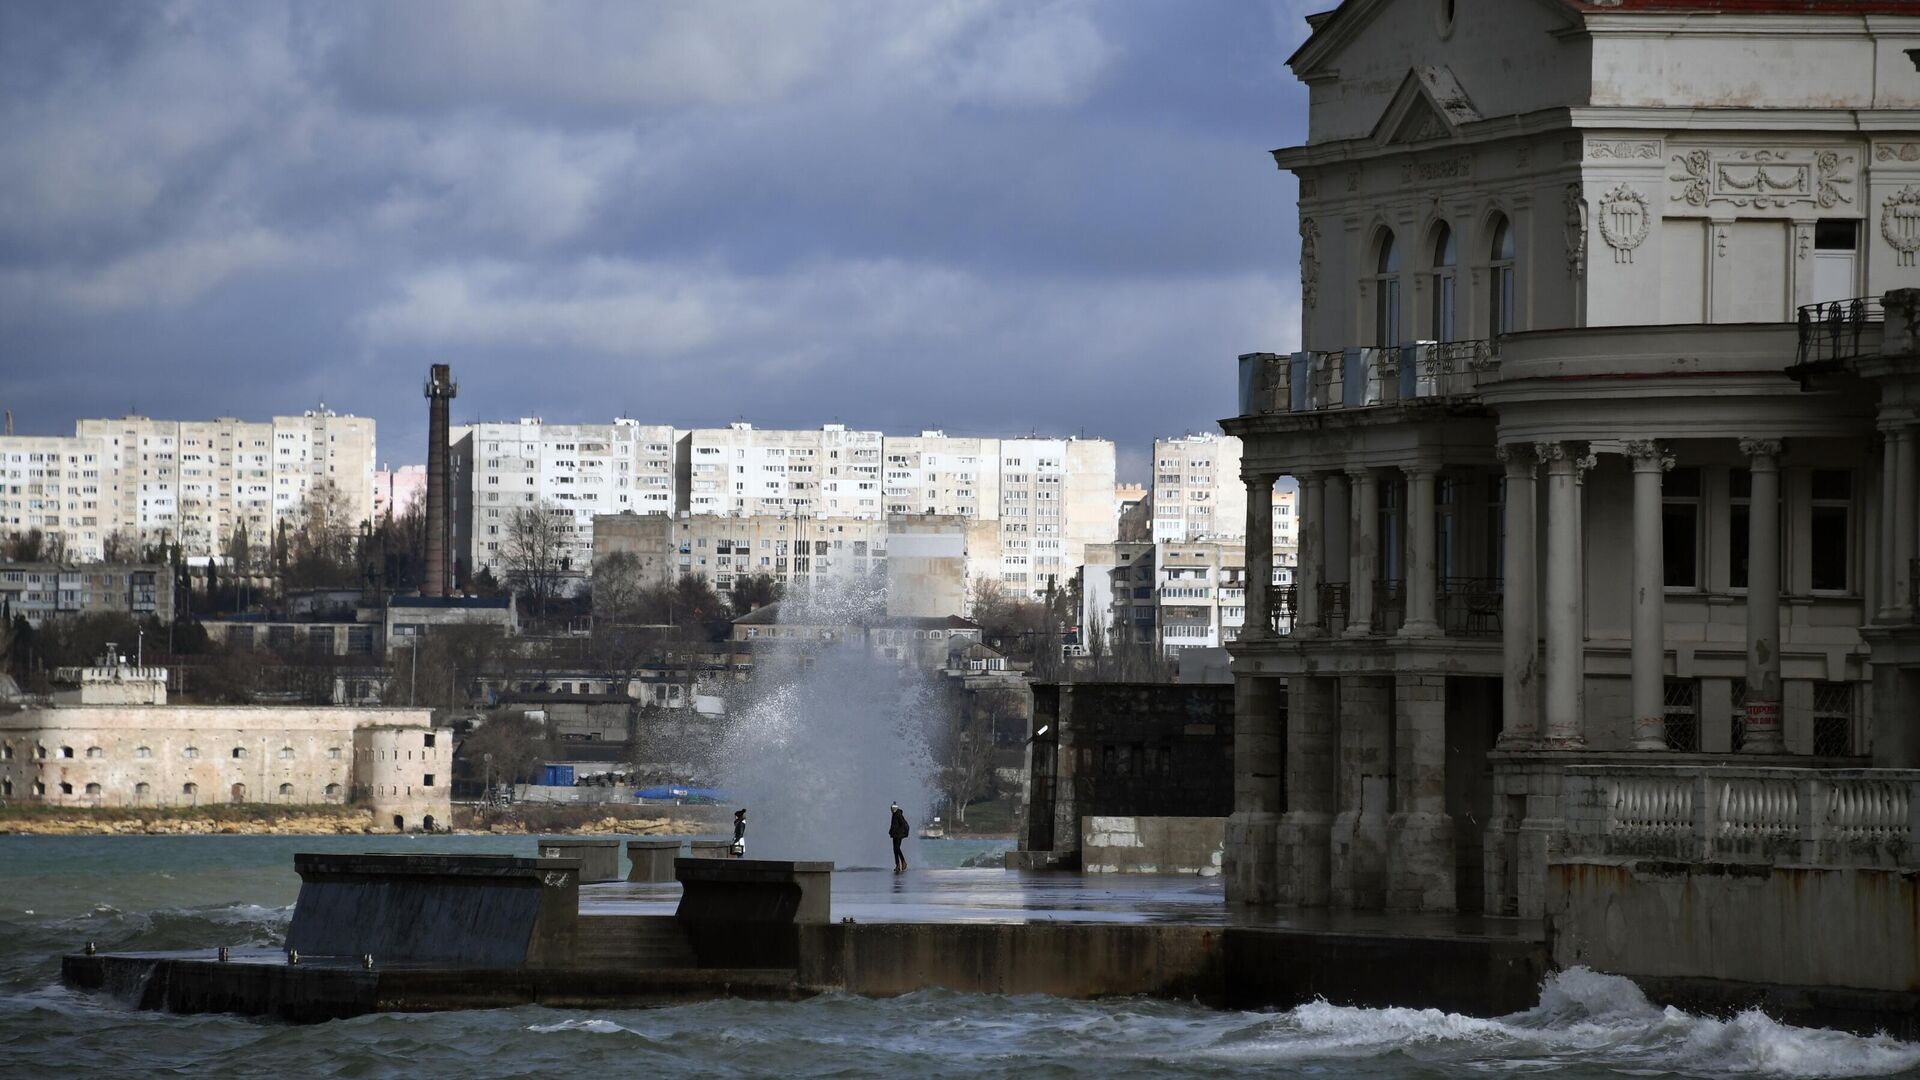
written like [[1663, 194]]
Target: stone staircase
[[632, 941]]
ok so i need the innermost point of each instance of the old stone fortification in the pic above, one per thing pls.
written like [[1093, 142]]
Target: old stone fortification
[[116, 743]]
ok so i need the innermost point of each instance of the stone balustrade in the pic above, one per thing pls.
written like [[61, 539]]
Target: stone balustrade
[[1777, 816]]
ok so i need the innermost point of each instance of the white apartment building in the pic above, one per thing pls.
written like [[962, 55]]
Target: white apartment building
[[1056, 497], [191, 482], [935, 473], [60, 486], [572, 471], [1176, 596], [1198, 495], [741, 469]]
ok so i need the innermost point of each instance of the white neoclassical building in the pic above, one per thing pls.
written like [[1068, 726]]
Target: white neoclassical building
[[1600, 461]]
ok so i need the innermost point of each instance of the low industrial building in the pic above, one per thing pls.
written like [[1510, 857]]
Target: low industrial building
[[109, 738]]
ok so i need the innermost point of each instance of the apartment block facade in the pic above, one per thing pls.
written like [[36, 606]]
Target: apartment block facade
[[116, 483], [40, 591]]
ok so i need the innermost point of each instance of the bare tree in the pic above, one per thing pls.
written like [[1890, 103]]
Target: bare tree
[[535, 553], [619, 587], [966, 747]]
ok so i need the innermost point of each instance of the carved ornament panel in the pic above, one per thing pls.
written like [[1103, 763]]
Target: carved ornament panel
[[1765, 179]]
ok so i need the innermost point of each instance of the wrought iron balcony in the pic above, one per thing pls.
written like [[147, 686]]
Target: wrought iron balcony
[[1465, 607], [1359, 378], [1838, 329], [1470, 607]]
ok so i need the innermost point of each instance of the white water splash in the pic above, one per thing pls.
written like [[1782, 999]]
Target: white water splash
[[833, 736], [1584, 1017]]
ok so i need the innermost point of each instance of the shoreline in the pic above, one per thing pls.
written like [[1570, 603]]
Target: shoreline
[[251, 820]]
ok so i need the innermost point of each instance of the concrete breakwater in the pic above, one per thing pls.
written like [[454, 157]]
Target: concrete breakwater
[[316, 821]]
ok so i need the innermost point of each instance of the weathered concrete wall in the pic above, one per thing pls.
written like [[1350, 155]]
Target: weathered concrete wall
[[599, 859], [1152, 845], [1789, 926], [1488, 976], [478, 911], [1071, 960]]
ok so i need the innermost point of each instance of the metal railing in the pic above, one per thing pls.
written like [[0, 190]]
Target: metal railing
[[1832, 331], [1816, 817], [1283, 607], [1313, 381], [1333, 606], [1389, 605], [1470, 607]]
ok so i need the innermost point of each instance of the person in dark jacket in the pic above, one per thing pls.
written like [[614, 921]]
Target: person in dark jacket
[[899, 830], [739, 849]]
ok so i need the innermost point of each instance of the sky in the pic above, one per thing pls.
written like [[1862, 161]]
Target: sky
[[986, 217]]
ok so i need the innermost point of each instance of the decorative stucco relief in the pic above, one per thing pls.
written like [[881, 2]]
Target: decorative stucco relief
[[1624, 151], [1576, 231], [1309, 263], [1900, 223], [1764, 179], [1896, 152], [1624, 221]]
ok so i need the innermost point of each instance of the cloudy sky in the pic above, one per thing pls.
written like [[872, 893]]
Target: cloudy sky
[[982, 216]]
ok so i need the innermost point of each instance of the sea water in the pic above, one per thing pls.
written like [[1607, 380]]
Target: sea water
[[56, 893]]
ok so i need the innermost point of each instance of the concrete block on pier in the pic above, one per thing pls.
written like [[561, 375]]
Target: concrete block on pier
[[744, 912], [599, 858], [486, 911], [651, 860]]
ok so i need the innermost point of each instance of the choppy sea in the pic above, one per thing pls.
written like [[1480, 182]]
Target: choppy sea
[[56, 893]]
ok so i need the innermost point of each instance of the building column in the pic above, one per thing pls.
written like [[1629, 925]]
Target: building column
[[1883, 598], [1763, 598], [1311, 571], [1901, 440], [1252, 850], [1420, 833], [1257, 623], [1648, 661], [1519, 608], [1359, 834], [1312, 790], [1423, 555], [1566, 646], [1363, 551]]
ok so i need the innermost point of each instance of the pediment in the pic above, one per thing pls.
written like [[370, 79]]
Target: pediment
[[1429, 105]]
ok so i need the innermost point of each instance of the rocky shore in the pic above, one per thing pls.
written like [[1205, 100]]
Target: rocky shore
[[329, 821]]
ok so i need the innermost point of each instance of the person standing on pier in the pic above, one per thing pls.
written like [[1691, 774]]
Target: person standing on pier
[[739, 848], [899, 831]]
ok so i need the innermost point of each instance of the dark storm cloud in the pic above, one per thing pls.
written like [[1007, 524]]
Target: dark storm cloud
[[988, 217]]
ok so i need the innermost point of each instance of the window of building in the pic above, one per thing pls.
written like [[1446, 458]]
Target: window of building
[[39, 788], [1836, 256], [286, 791], [429, 780], [1830, 541], [141, 790], [95, 752], [189, 789], [1500, 280], [93, 789], [1680, 529], [190, 752], [239, 751], [66, 788], [143, 752], [1682, 711], [66, 751], [1445, 258], [429, 742], [6, 752], [333, 791], [1739, 522], [1386, 314]]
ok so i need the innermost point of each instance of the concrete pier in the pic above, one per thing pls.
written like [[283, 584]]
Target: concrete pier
[[599, 858], [651, 860]]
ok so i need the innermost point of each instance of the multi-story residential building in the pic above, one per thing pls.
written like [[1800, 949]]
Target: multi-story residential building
[[397, 489], [929, 576], [1174, 596], [136, 480], [935, 473], [571, 471], [741, 469], [1197, 493], [1056, 497], [62, 487], [41, 591], [1572, 481]]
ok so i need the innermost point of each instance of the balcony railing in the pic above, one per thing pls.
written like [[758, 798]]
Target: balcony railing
[[1833, 330], [1816, 817], [1357, 378], [1465, 607]]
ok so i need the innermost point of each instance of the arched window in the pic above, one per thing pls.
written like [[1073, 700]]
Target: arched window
[[333, 791], [286, 753], [39, 788], [66, 788], [93, 789], [1500, 280], [286, 791], [1386, 292], [142, 790], [6, 788], [333, 753], [1445, 258], [190, 752], [95, 752], [239, 751], [143, 752], [66, 751], [40, 752], [6, 752], [190, 789]]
